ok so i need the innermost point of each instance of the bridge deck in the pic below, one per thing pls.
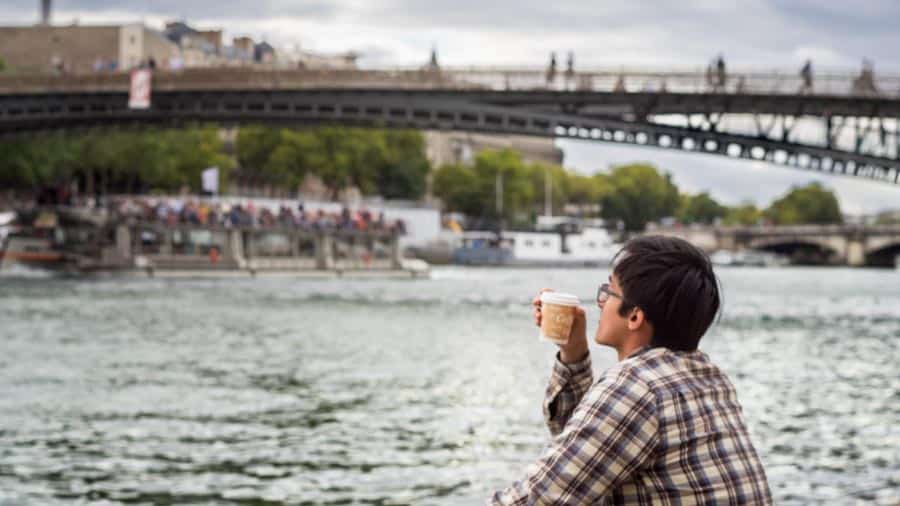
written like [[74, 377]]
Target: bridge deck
[[692, 81]]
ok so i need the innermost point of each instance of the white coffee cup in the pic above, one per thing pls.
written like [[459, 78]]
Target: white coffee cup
[[557, 316]]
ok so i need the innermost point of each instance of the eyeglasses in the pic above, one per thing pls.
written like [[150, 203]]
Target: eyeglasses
[[604, 293]]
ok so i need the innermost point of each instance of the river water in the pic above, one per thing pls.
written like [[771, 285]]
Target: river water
[[284, 391]]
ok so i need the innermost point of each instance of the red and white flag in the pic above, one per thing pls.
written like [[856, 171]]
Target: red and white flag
[[139, 93]]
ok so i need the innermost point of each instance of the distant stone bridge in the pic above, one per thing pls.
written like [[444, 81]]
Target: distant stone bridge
[[854, 245]]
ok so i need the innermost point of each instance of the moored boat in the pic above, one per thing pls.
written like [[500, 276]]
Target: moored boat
[[554, 242]]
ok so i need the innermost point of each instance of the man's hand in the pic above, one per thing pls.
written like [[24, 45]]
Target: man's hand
[[577, 347]]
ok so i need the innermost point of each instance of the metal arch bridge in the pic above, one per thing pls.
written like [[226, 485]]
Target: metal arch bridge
[[856, 117]]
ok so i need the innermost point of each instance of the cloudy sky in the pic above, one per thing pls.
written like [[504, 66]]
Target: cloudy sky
[[765, 34]]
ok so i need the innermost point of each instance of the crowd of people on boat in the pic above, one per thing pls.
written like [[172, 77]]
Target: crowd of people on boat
[[174, 212]]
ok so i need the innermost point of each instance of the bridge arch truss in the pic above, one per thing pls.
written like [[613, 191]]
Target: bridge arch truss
[[420, 109]]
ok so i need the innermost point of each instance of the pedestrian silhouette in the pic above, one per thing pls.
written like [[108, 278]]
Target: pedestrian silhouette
[[570, 68], [806, 75], [551, 70], [865, 83], [720, 72]]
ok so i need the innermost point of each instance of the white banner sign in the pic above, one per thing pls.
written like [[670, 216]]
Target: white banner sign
[[139, 93], [210, 179]]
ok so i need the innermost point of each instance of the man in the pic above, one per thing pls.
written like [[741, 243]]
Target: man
[[807, 75], [663, 426]]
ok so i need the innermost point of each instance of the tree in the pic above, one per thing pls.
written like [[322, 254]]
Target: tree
[[638, 194], [559, 186], [2, 65], [391, 163], [700, 208], [289, 160], [113, 161], [256, 144], [457, 186], [473, 189], [585, 190], [186, 154], [744, 214], [403, 179], [810, 204], [518, 189], [405, 173]]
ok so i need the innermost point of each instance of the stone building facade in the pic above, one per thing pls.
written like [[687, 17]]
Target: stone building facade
[[82, 49], [444, 147]]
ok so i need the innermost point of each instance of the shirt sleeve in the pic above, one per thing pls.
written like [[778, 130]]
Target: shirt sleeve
[[568, 383], [612, 433]]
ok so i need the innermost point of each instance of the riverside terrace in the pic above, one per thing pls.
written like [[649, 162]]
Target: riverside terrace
[[85, 241], [841, 123], [177, 211]]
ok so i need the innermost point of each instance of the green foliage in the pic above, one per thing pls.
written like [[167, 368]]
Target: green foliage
[[457, 185], [810, 204], [2, 65], [588, 189], [114, 161], [638, 194], [256, 145], [387, 162], [472, 189], [744, 214], [390, 163], [700, 208]]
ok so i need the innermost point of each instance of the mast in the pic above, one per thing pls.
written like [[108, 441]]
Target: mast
[[548, 194], [498, 187], [498, 193]]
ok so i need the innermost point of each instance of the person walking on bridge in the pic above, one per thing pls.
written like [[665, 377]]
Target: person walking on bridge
[[570, 69], [551, 70], [663, 426], [720, 73], [807, 75]]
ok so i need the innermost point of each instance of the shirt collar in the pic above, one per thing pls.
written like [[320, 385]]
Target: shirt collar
[[638, 352]]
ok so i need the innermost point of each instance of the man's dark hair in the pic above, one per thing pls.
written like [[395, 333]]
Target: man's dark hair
[[673, 282]]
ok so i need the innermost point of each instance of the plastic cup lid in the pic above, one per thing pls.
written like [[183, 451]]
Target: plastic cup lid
[[563, 299]]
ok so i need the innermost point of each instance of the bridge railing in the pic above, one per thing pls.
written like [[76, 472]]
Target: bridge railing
[[776, 82], [216, 79]]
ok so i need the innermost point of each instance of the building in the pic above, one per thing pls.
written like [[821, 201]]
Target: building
[[446, 147], [263, 52], [295, 57], [198, 48], [214, 38], [83, 49], [242, 49]]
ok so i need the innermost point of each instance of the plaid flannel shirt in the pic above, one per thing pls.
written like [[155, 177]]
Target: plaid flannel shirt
[[659, 427]]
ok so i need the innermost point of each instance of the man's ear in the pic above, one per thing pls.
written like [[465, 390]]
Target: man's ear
[[636, 319]]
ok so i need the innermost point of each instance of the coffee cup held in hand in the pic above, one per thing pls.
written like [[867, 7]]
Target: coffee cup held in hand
[[557, 316]]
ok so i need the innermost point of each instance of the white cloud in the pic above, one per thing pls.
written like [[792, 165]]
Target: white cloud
[[765, 34]]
